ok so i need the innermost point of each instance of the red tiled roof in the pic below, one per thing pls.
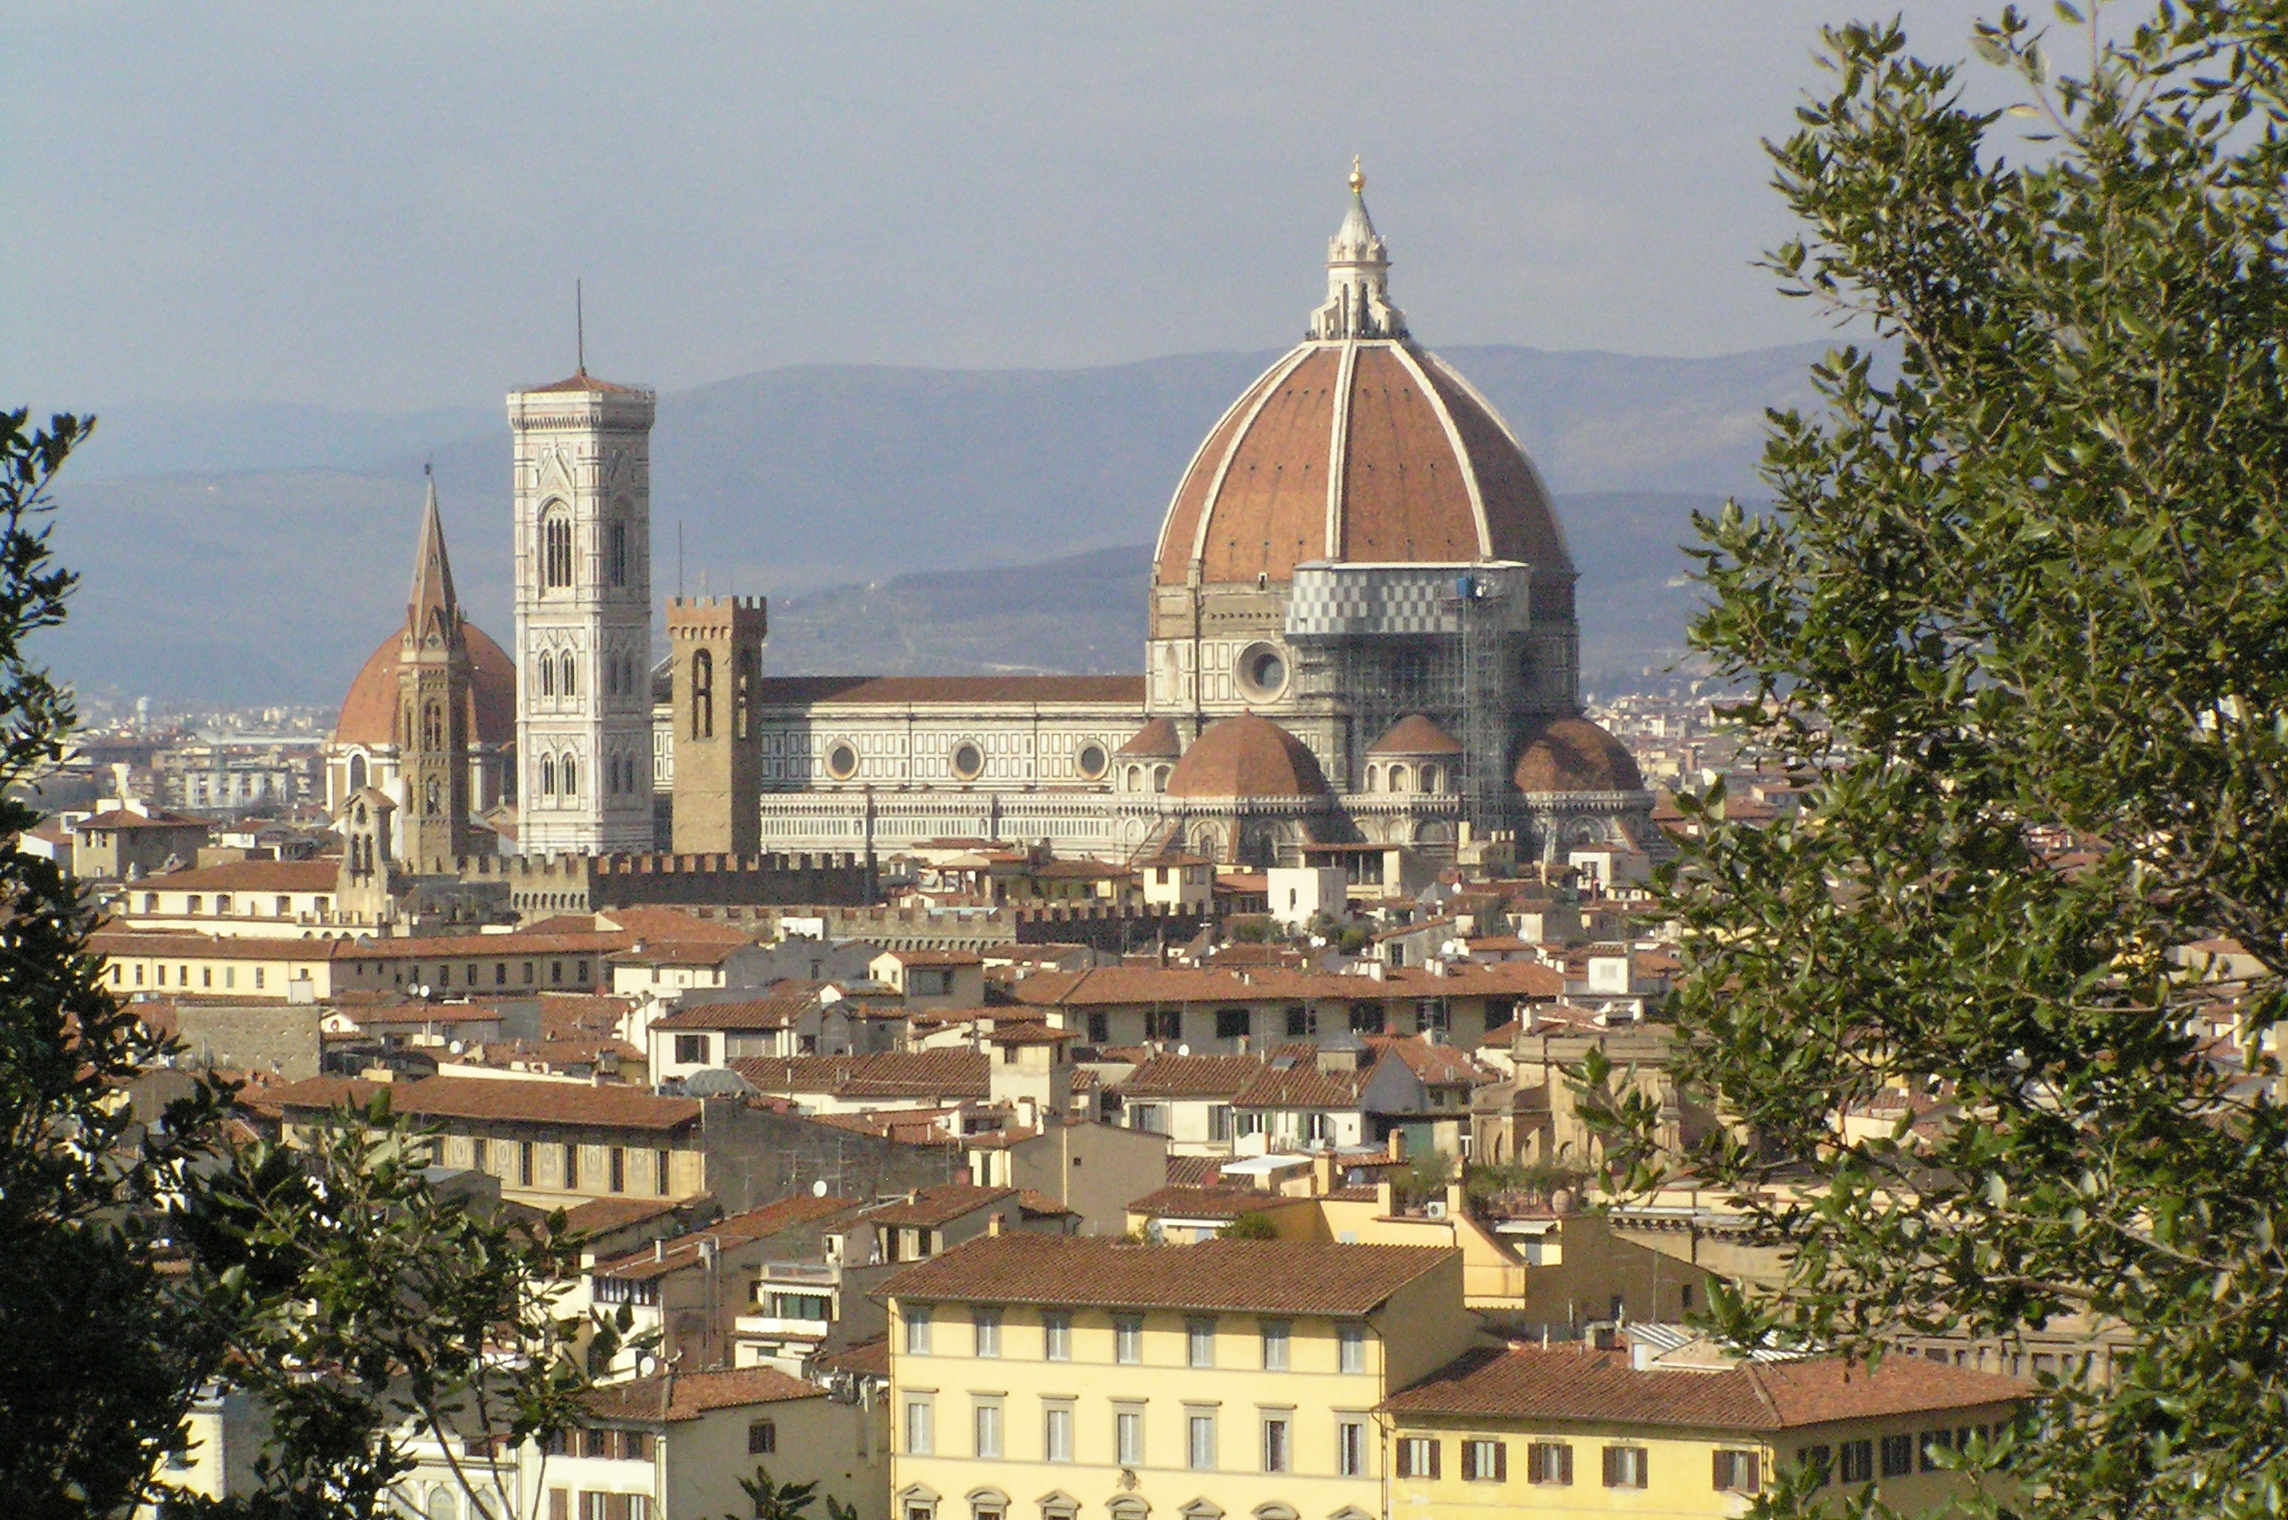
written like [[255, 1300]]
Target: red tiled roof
[[1528, 1383], [1210, 1202], [866, 1359], [1302, 1085], [887, 1074], [498, 1098], [666, 1398], [934, 1206], [780, 1005], [1415, 734], [1247, 756], [120, 818], [600, 1214], [755, 1224], [1297, 1277], [1194, 1171], [249, 876], [581, 381], [1165, 1076]]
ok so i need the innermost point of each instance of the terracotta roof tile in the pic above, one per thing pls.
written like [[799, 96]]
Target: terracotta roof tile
[[498, 1098], [1211, 1202], [686, 1396], [1528, 1383], [780, 1005], [1165, 1076], [1296, 1277], [756, 1224], [887, 1074], [249, 876], [934, 1206], [1247, 756], [866, 1359]]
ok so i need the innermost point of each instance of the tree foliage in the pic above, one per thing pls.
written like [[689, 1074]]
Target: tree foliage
[[2021, 613], [97, 1358], [149, 1259], [377, 1315]]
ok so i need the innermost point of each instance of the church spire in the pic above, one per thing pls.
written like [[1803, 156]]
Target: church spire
[[1358, 277], [432, 612]]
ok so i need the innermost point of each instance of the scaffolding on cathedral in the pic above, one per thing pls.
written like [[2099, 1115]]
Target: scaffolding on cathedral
[[1445, 641]]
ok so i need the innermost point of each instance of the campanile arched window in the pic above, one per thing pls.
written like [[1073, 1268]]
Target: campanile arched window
[[432, 727], [555, 548], [547, 670], [702, 694], [567, 678], [571, 777], [547, 776]]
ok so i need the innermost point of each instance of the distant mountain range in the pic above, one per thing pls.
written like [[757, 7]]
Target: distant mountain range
[[901, 519]]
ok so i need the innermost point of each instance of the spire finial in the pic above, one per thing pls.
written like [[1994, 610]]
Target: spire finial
[[580, 326], [1358, 177]]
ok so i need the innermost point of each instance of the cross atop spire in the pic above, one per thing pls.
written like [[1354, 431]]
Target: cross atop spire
[[432, 612], [1358, 277]]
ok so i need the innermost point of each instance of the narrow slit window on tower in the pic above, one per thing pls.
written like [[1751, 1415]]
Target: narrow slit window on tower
[[556, 552], [547, 776], [433, 727], [742, 694], [547, 670], [702, 694], [619, 554], [567, 676], [571, 777]]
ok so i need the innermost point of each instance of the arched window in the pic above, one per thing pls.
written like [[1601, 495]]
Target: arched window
[[567, 679], [1398, 778], [1429, 778], [571, 777], [433, 798], [547, 676], [432, 727], [547, 775], [555, 550], [357, 773], [702, 694]]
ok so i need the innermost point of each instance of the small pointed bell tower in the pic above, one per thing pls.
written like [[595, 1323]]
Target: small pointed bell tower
[[433, 710]]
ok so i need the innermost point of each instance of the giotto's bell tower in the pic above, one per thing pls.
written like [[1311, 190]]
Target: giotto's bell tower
[[583, 616]]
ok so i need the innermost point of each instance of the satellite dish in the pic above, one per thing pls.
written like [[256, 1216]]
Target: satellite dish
[[818, 1188]]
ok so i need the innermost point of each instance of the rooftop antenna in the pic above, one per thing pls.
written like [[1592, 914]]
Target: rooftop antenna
[[580, 326]]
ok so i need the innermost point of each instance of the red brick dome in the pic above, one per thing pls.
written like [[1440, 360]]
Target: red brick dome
[[1571, 754], [369, 712], [1425, 472], [1247, 756]]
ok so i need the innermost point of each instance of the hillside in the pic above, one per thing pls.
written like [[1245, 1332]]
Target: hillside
[[988, 510]]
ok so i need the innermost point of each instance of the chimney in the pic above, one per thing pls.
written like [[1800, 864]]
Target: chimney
[[994, 1223], [659, 1248]]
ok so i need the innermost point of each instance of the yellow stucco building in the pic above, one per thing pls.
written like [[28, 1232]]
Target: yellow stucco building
[[1046, 1379], [1572, 1430]]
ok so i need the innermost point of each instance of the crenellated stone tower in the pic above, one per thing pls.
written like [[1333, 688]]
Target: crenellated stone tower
[[716, 644], [583, 616]]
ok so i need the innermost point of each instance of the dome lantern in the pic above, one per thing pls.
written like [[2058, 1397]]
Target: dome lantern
[[1358, 278]]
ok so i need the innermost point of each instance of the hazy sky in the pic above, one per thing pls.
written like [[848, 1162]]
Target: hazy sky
[[386, 206]]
